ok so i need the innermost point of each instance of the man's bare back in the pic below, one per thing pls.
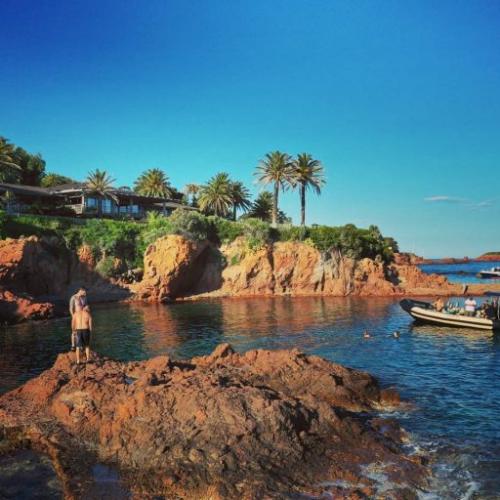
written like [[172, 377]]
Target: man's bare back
[[82, 320]]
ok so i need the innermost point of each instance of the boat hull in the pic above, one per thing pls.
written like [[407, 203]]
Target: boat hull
[[489, 275], [422, 311]]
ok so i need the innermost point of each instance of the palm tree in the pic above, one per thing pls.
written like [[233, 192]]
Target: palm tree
[[153, 182], [275, 168], [240, 196], [307, 173], [215, 196], [101, 183], [262, 208], [192, 190], [7, 163]]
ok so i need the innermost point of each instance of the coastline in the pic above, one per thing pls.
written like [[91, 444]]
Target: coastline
[[37, 280]]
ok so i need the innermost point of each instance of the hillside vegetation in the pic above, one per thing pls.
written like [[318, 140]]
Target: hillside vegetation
[[124, 241]]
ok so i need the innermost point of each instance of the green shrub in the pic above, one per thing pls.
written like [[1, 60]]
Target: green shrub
[[287, 232], [106, 267], [190, 224], [257, 233], [226, 230], [110, 238]]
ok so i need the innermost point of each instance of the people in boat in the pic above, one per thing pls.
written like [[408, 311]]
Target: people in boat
[[77, 301], [470, 306], [438, 304], [81, 323]]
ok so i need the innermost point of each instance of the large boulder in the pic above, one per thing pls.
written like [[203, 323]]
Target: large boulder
[[173, 265], [264, 424]]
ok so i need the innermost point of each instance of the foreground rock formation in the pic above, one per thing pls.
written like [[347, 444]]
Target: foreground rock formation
[[264, 424], [36, 274]]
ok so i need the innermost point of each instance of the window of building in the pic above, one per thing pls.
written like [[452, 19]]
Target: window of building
[[91, 203], [107, 206]]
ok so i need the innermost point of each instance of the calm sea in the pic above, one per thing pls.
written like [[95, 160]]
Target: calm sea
[[450, 375], [462, 273]]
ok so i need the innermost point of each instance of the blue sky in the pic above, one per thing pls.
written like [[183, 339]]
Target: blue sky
[[399, 100]]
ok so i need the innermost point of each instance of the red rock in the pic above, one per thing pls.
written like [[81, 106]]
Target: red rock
[[39, 271], [15, 308], [172, 265], [254, 425]]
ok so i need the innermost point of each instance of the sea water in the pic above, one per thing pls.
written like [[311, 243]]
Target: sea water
[[450, 375]]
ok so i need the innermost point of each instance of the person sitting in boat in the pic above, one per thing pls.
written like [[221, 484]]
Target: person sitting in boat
[[489, 310], [438, 304], [470, 306]]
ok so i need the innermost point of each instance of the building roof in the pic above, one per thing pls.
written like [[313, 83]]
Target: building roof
[[27, 190], [79, 187]]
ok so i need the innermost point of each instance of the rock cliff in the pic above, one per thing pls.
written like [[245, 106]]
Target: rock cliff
[[263, 424], [37, 273], [175, 267]]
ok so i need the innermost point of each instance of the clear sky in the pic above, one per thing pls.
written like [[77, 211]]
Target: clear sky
[[400, 100]]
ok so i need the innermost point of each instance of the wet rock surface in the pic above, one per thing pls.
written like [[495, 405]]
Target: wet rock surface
[[263, 424]]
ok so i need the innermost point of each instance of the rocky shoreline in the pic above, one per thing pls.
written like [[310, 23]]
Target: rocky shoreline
[[262, 424], [37, 277]]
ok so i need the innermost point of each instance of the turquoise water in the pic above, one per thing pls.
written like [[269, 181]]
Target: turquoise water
[[462, 273], [451, 376]]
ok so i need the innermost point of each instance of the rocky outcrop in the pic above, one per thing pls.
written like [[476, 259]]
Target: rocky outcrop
[[264, 424], [175, 267], [41, 272], [16, 308]]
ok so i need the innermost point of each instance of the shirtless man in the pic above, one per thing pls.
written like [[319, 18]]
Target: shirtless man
[[81, 323]]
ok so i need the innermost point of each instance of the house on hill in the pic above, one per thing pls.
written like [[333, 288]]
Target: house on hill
[[75, 199]]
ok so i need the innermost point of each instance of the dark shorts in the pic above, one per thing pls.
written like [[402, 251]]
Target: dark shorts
[[82, 338]]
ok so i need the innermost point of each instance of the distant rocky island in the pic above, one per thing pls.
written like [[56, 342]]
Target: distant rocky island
[[485, 257]]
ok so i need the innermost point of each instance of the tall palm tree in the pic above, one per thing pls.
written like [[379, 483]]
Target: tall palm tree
[[192, 190], [7, 163], [240, 196], [215, 196], [101, 183], [276, 169], [153, 182], [307, 173]]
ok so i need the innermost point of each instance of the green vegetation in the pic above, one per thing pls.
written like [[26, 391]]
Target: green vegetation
[[127, 240], [276, 169], [19, 166], [153, 182], [120, 244], [51, 180], [307, 174], [220, 195]]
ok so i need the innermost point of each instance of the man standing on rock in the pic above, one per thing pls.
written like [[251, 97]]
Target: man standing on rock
[[81, 323], [77, 301]]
